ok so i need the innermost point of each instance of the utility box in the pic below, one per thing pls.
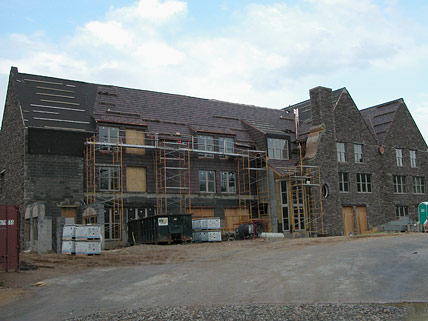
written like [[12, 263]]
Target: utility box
[[207, 236], [422, 210], [88, 247], [161, 229], [206, 224], [9, 238]]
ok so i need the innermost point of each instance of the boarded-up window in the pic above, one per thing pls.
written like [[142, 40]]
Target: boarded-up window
[[134, 137], [202, 212], [136, 179]]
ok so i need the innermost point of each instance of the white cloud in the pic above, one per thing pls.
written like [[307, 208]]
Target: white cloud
[[270, 55]]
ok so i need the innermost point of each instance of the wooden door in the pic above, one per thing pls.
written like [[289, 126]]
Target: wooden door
[[361, 219], [348, 220]]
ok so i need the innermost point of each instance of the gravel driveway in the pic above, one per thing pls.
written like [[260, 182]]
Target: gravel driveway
[[256, 279]]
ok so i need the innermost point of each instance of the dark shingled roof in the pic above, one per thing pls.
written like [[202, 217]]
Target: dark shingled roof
[[48, 102], [379, 118], [52, 102]]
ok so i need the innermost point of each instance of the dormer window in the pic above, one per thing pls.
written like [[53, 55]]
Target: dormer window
[[277, 148], [206, 143], [108, 135], [225, 145]]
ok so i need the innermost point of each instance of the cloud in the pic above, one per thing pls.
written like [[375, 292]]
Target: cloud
[[268, 55]]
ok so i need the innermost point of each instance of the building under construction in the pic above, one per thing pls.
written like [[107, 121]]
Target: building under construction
[[88, 153]]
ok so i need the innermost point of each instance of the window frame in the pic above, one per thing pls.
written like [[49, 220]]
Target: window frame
[[341, 154], [278, 148], [358, 154], [399, 157], [413, 158], [364, 183], [226, 182], [401, 211], [108, 137], [418, 184], [226, 145], [110, 178], [204, 145], [205, 181], [343, 182], [399, 184]]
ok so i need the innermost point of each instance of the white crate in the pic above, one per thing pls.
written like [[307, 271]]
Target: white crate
[[196, 224], [88, 247], [88, 232], [68, 247], [206, 224], [210, 223], [207, 236], [69, 232]]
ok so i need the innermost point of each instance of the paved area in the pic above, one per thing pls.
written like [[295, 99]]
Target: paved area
[[336, 270]]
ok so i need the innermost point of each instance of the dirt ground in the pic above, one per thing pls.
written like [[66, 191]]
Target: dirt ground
[[15, 285]]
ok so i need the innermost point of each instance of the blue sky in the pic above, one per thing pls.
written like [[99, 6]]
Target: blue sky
[[265, 53]]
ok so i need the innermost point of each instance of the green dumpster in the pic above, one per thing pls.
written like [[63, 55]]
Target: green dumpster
[[161, 229]]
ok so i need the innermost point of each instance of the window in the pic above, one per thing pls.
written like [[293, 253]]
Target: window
[[418, 185], [109, 178], [298, 208], [364, 183], [399, 156], [413, 161], [206, 143], [228, 182], [277, 148], [358, 153], [341, 153], [112, 224], [2, 182], [90, 219], [399, 184], [343, 182], [225, 145], [108, 135], [207, 181], [401, 211]]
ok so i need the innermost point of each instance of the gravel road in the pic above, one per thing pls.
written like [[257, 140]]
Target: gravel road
[[304, 312], [336, 278]]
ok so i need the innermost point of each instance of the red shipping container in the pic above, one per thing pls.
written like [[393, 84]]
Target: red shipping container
[[9, 238]]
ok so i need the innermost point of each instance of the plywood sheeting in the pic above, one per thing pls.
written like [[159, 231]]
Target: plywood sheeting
[[68, 212], [135, 137], [135, 179], [232, 218], [362, 219], [348, 220], [202, 212]]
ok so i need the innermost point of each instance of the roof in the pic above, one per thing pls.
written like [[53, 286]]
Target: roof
[[48, 102], [59, 103], [379, 118]]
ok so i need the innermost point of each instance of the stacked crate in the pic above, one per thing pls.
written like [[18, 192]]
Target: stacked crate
[[206, 230], [81, 239]]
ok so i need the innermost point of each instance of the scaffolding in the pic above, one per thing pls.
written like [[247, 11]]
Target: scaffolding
[[253, 189], [305, 196], [172, 168], [110, 175]]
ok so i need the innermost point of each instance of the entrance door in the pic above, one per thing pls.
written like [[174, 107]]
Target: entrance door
[[348, 220], [361, 219]]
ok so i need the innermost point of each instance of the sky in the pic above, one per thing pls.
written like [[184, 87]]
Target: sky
[[260, 52]]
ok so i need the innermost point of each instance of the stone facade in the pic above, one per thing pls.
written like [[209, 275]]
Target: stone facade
[[343, 123]]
